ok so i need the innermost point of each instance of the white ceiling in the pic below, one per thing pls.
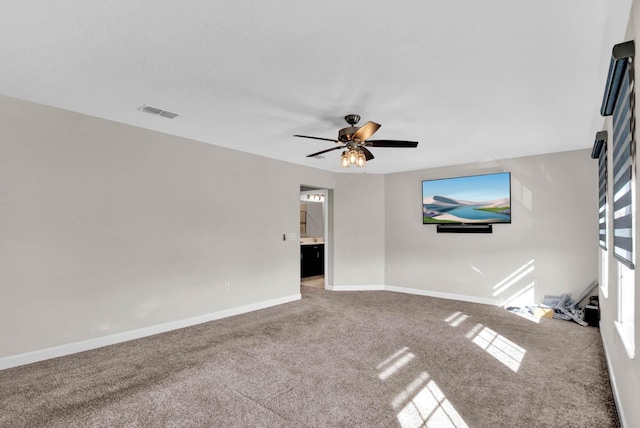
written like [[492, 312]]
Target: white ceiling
[[470, 80]]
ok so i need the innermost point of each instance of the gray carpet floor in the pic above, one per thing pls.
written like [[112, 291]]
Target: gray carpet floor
[[332, 359]]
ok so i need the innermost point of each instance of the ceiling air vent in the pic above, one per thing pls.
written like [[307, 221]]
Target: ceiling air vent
[[158, 112], [168, 114]]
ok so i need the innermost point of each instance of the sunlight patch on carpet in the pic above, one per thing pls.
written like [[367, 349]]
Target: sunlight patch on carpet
[[391, 358], [456, 319], [499, 347], [426, 405], [394, 363]]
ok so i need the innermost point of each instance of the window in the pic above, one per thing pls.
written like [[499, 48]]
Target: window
[[604, 273], [625, 325], [619, 100], [624, 207]]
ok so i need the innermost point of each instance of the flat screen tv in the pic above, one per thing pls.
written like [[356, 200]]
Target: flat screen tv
[[475, 199]]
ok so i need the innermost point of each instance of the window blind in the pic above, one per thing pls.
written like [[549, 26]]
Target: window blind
[[623, 153], [602, 197]]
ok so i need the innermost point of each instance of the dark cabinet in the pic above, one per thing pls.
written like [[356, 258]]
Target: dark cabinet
[[311, 260]]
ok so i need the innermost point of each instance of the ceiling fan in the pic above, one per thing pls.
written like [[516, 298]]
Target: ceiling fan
[[355, 140]]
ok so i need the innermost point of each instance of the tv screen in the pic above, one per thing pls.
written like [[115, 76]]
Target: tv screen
[[478, 199]]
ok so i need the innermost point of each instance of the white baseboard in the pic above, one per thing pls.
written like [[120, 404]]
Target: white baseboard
[[416, 291], [441, 295], [612, 379], [99, 342]]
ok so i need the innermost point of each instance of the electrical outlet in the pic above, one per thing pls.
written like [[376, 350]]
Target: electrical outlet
[[227, 286]]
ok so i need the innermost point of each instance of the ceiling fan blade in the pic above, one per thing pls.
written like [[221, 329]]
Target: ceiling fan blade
[[367, 154], [391, 143], [317, 138], [325, 151], [365, 131]]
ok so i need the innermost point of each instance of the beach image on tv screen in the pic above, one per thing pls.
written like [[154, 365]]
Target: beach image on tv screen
[[473, 199]]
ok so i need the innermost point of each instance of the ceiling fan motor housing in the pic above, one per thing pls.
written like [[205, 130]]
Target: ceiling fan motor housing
[[345, 134]]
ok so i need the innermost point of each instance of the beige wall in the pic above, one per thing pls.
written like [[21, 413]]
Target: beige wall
[[359, 233], [106, 228], [625, 371], [548, 249]]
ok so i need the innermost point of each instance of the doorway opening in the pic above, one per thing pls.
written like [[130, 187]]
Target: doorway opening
[[314, 236]]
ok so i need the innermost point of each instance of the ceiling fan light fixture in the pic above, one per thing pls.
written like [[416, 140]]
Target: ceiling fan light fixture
[[361, 161], [353, 157], [344, 160]]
